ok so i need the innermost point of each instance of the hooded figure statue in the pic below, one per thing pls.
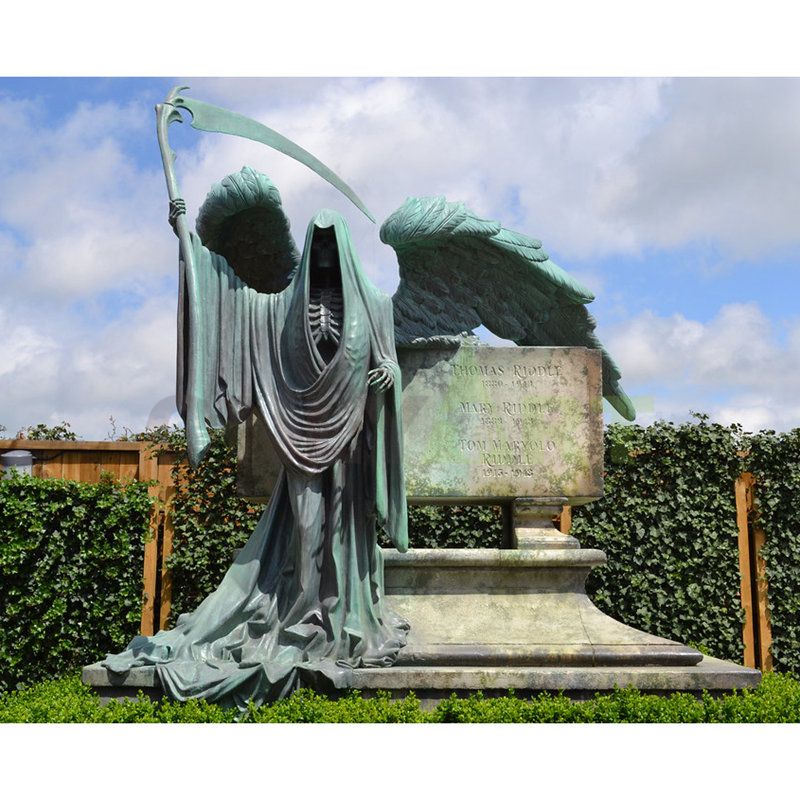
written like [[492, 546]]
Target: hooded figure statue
[[302, 604]]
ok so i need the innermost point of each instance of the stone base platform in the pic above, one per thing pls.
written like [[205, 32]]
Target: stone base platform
[[494, 620], [433, 684], [513, 608]]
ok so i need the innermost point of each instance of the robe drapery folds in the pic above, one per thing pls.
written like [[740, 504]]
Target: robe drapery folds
[[302, 603]]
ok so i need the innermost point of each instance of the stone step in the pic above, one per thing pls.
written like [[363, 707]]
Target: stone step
[[432, 684], [488, 607]]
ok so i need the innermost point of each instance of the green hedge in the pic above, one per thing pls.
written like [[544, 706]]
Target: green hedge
[[70, 554], [210, 521], [775, 461], [667, 523], [71, 565], [777, 699]]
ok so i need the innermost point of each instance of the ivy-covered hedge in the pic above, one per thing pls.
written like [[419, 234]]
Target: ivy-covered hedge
[[667, 523], [71, 566], [775, 461], [210, 521], [70, 554], [777, 699]]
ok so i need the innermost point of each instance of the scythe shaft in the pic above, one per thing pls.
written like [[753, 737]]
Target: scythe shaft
[[196, 430]]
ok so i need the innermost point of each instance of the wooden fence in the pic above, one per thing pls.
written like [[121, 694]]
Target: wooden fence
[[86, 461]]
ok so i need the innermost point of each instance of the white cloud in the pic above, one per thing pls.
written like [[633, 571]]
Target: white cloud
[[26, 354], [87, 213], [593, 168], [719, 166], [736, 366], [529, 153], [59, 367]]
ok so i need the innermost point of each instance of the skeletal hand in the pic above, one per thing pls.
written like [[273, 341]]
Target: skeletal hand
[[176, 208], [380, 379]]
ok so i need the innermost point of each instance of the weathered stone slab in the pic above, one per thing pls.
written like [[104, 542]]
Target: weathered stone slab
[[512, 607], [482, 424], [494, 620], [433, 684]]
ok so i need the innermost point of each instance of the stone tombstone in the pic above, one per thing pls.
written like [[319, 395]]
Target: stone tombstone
[[483, 424]]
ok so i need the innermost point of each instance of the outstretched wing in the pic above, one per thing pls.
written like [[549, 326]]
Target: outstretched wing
[[458, 271], [242, 220]]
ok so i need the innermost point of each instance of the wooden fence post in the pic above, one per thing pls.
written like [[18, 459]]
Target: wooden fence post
[[565, 521], [148, 471], [166, 484], [757, 632], [166, 552], [760, 586], [743, 492]]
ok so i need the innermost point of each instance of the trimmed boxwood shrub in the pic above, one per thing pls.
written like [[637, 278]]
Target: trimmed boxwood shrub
[[71, 564], [777, 699]]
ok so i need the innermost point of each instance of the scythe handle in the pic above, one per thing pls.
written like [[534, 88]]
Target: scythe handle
[[197, 436]]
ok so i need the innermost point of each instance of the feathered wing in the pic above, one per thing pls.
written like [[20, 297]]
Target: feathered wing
[[458, 271], [242, 255], [242, 220]]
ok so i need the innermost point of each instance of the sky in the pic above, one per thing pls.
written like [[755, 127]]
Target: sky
[[674, 200]]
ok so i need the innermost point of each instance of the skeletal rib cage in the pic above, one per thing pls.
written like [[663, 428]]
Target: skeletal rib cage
[[325, 312]]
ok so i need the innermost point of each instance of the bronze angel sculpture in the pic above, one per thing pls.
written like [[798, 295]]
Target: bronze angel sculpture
[[306, 342]]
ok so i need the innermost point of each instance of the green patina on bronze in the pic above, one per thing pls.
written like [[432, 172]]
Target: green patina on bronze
[[303, 601], [459, 271]]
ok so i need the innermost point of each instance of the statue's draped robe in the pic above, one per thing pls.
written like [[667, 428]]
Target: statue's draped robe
[[302, 603]]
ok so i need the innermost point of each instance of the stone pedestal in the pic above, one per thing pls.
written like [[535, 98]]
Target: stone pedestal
[[513, 607], [532, 524], [493, 620]]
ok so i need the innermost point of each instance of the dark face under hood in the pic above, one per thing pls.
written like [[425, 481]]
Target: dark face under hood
[[325, 267]]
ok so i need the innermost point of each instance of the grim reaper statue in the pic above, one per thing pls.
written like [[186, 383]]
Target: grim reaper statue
[[307, 343]]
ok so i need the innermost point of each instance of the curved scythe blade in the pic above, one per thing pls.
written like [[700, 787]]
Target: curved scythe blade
[[206, 117]]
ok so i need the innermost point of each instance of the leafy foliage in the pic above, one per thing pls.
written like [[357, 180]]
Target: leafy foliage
[[667, 523], [71, 561], [775, 461], [42, 432], [210, 521], [777, 699], [453, 526], [71, 554]]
